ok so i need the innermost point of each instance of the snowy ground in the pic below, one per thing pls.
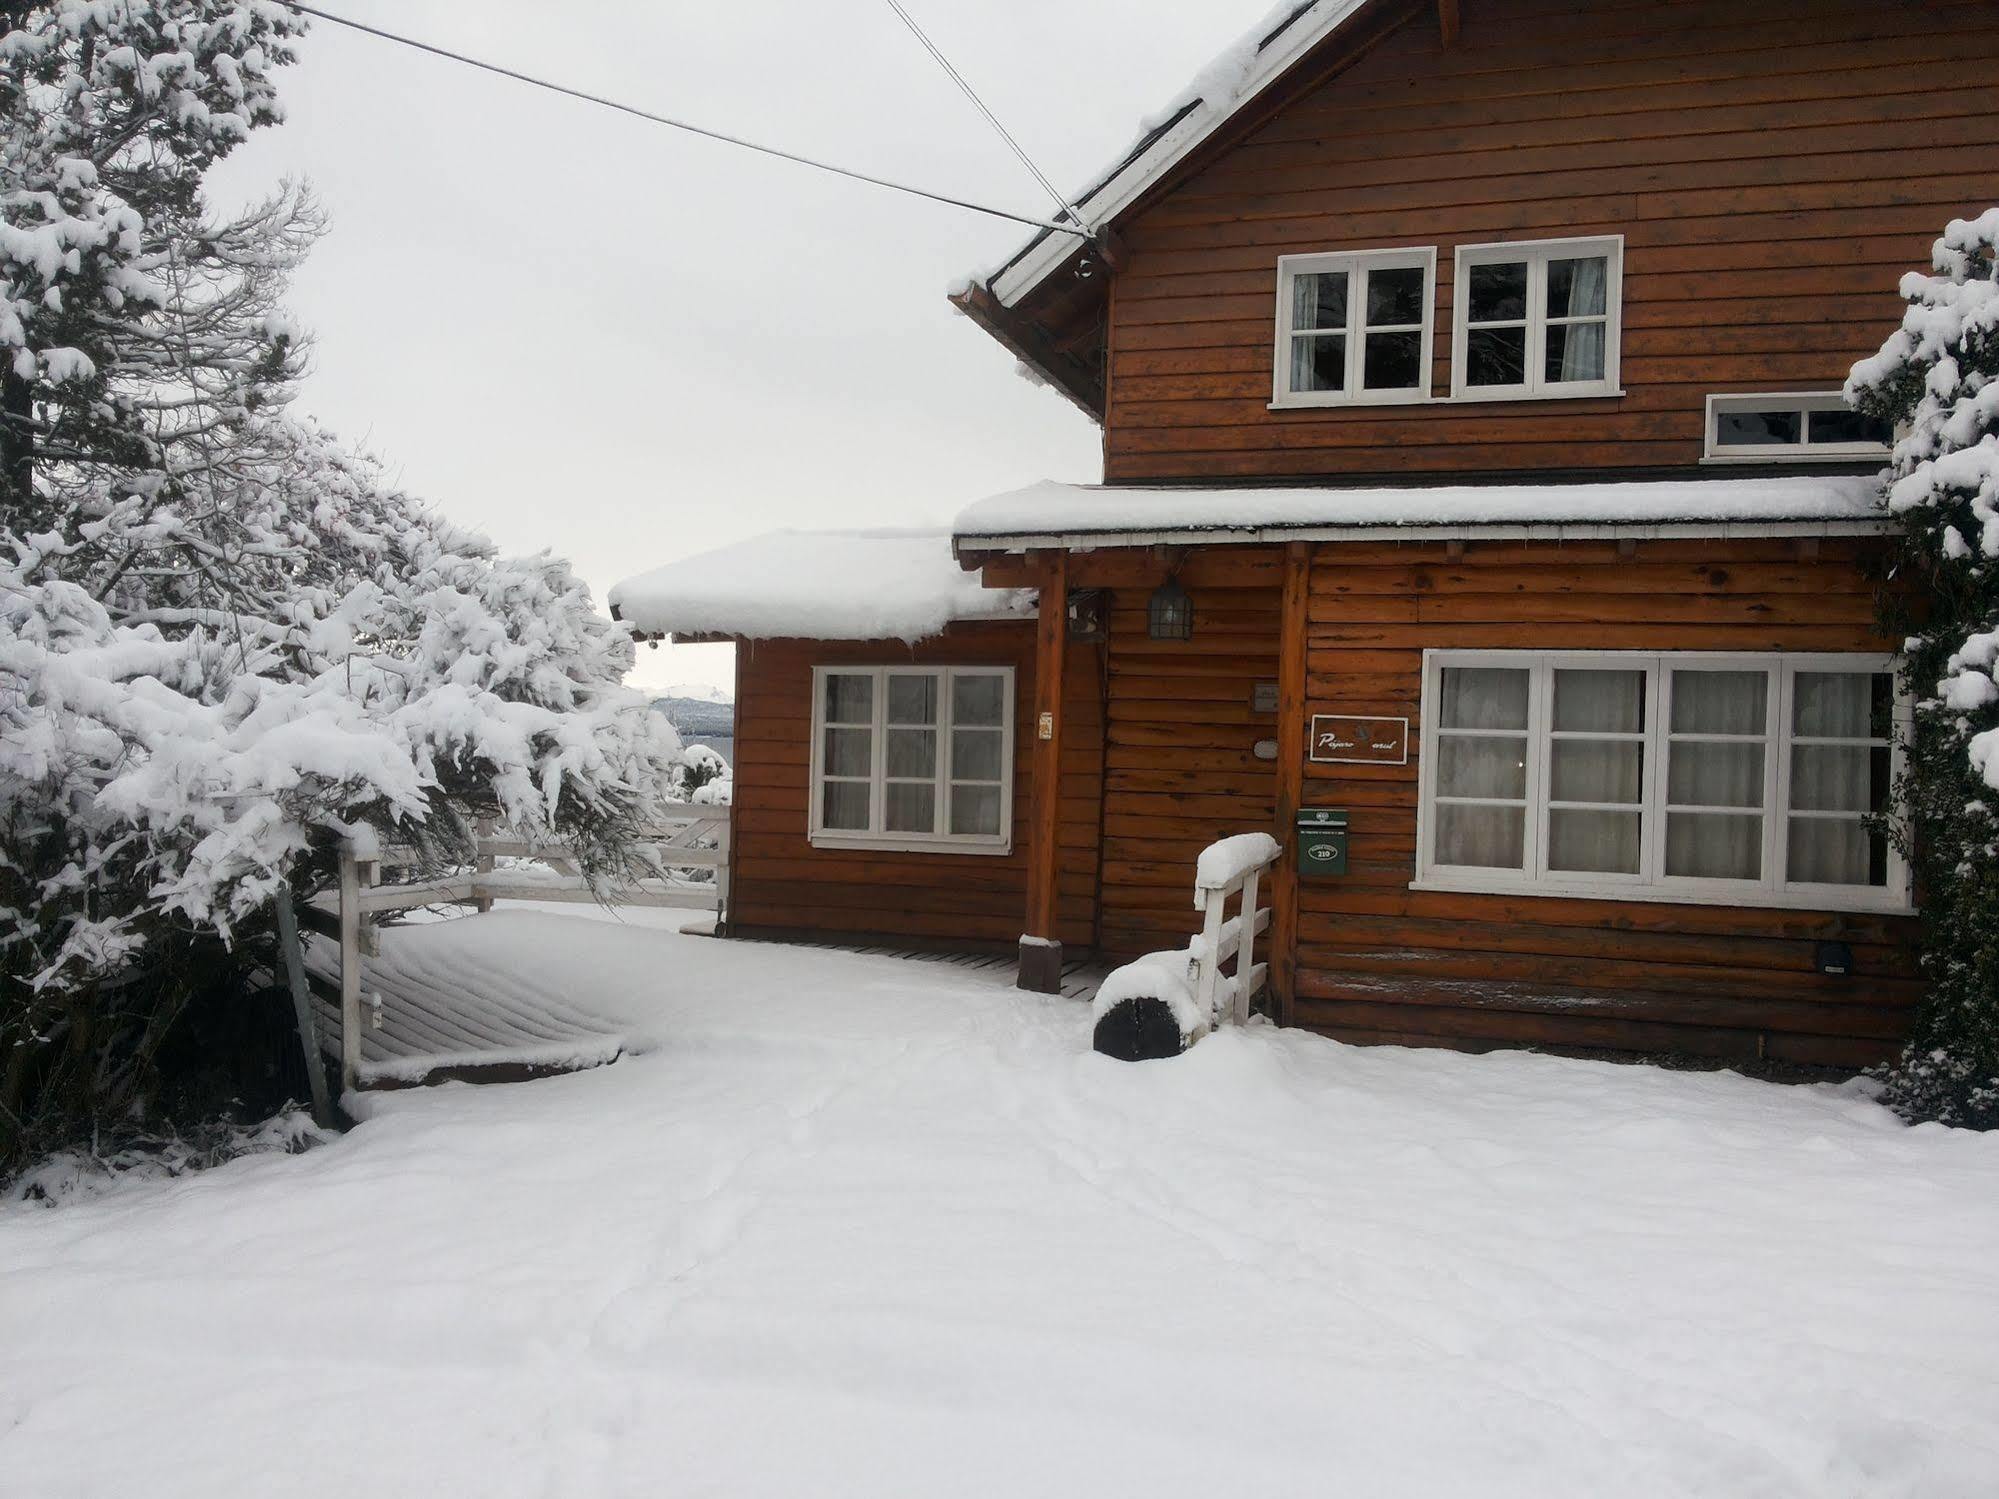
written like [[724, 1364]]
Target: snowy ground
[[860, 1227]]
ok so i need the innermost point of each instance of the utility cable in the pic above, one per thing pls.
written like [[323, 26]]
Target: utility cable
[[671, 123]]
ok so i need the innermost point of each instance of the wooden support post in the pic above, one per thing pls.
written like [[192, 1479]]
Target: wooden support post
[[1292, 749], [350, 970], [482, 863], [308, 1033], [1447, 21], [1040, 949]]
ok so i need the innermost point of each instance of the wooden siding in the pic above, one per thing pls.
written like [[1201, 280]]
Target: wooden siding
[[1774, 169], [782, 883], [1381, 962]]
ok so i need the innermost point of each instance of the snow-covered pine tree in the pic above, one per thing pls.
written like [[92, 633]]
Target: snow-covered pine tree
[[1938, 377], [225, 641]]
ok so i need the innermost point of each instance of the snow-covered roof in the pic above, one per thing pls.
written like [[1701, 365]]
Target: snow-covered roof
[[1052, 514], [1228, 84], [820, 585]]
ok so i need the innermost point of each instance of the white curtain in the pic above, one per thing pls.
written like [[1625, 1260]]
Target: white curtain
[[1490, 764], [1583, 346]]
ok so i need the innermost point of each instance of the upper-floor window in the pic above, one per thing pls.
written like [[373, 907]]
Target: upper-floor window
[[1747, 779], [1354, 327], [1537, 319], [913, 757], [1796, 428]]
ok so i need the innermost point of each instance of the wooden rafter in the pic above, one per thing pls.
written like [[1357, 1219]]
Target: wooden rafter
[[1447, 21]]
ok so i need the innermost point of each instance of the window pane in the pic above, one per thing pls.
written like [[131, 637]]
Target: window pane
[[848, 752], [975, 755], [1593, 842], [1701, 774], [1496, 356], [1392, 361], [912, 699], [1603, 702], [975, 809], [1319, 362], [912, 752], [850, 699], [1498, 293], [1395, 297], [845, 806], [978, 699], [1842, 705], [1839, 778], [1481, 767], [1319, 300], [1597, 770], [1483, 697], [1575, 352], [1577, 288], [1835, 851], [1720, 702], [1482, 837], [1848, 426], [911, 807], [1756, 428], [1714, 845]]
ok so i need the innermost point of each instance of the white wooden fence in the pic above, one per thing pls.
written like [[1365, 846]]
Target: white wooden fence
[[696, 839], [1225, 996]]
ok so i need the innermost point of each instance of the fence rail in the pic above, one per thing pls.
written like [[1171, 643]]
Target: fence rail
[[697, 839]]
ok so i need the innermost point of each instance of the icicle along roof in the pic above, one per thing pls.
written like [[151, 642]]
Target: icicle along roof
[[816, 585]]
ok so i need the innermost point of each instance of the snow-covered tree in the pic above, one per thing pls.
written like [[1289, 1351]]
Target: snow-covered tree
[[1938, 376], [225, 641]]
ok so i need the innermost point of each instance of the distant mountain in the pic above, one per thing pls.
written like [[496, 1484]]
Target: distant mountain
[[703, 718]]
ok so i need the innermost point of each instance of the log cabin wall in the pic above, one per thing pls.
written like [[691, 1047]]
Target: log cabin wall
[[783, 885], [1774, 169], [1380, 962]]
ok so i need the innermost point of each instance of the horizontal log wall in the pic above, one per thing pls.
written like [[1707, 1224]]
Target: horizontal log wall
[[1773, 168], [1381, 962], [781, 883]]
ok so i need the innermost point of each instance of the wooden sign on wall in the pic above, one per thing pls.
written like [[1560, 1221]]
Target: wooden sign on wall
[[1342, 740]]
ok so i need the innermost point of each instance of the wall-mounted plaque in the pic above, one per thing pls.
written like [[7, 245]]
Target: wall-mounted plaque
[[1263, 698], [1341, 740]]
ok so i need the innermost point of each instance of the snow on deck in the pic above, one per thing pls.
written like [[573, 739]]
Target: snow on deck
[[851, 1226], [820, 585]]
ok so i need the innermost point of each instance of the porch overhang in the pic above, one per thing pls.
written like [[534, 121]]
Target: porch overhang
[[1076, 517]]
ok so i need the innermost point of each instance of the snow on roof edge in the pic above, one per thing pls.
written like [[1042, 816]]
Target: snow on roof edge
[[1051, 509], [819, 585]]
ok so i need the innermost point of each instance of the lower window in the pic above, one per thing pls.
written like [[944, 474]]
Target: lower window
[[1662, 777], [912, 757]]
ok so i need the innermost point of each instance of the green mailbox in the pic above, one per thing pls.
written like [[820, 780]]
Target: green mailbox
[[1322, 840]]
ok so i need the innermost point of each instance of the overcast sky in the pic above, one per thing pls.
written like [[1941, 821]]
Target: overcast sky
[[579, 331]]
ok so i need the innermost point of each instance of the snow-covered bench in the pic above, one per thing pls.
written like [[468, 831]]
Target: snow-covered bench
[[1160, 1004]]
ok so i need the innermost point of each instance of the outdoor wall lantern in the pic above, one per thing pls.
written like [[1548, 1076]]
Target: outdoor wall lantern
[[1170, 615]]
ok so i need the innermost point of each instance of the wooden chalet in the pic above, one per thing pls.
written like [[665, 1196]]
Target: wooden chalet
[[1477, 484]]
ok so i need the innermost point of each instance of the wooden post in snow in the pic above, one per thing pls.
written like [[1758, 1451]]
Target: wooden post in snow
[[1291, 752], [350, 969], [308, 1033], [1040, 950]]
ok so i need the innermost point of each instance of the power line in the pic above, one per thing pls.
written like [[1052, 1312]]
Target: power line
[[991, 119], [670, 122]]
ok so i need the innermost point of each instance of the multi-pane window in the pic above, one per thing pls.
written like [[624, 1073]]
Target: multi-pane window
[[1758, 778], [1792, 428], [1539, 319], [911, 757], [1354, 328]]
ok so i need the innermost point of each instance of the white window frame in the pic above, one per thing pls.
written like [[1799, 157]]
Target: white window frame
[[1537, 254], [1357, 264], [1802, 451], [876, 836], [1651, 883]]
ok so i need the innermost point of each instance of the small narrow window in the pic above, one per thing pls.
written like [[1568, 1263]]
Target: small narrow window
[[912, 757], [1537, 319], [1354, 328], [1798, 428]]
